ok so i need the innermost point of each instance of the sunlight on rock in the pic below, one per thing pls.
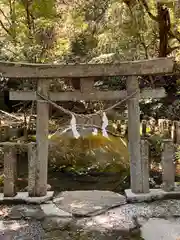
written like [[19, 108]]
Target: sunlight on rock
[[92, 150], [97, 207], [103, 220], [12, 226], [4, 211], [100, 221], [78, 205], [161, 229]]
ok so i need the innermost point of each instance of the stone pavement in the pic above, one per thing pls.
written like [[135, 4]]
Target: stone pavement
[[91, 215], [161, 229]]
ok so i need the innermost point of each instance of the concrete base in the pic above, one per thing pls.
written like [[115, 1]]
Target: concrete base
[[23, 197], [154, 194]]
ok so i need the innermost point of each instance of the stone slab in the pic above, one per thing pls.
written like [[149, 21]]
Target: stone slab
[[50, 210], [116, 223], [88, 203], [128, 217], [23, 197], [154, 194], [157, 229], [172, 195]]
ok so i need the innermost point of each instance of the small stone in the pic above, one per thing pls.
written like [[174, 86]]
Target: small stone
[[33, 213], [26, 212], [55, 223], [15, 213], [55, 234]]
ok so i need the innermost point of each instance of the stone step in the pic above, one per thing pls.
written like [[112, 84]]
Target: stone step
[[23, 197], [50, 210], [88, 203]]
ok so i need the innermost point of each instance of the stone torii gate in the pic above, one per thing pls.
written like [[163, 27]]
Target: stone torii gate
[[42, 73]]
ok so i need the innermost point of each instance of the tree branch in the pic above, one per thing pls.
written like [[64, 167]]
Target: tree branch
[[169, 50], [155, 18], [5, 29], [171, 34], [144, 3], [4, 16]]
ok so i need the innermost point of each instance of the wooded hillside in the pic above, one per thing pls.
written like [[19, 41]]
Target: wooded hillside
[[66, 31]]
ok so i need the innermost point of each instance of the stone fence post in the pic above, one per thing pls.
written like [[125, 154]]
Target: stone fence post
[[168, 166], [145, 165], [10, 170]]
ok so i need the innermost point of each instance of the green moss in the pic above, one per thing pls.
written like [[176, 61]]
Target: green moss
[[1, 180], [155, 147], [89, 152]]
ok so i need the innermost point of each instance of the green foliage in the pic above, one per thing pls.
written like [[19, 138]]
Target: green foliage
[[46, 30], [178, 153], [156, 147], [1, 180], [44, 9]]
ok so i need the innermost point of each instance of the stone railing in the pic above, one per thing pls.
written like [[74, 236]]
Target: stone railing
[[167, 162], [10, 166], [10, 150]]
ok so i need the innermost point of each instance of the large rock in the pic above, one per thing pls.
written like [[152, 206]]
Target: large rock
[[88, 203], [88, 151]]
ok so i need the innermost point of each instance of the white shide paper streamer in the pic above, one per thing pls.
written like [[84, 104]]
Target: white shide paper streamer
[[104, 125], [73, 127], [95, 132]]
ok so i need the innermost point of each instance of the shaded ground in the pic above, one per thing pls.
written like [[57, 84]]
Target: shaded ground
[[108, 217]]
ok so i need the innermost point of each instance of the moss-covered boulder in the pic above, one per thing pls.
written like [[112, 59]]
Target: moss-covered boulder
[[88, 153]]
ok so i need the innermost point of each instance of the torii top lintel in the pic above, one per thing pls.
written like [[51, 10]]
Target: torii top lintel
[[128, 68]]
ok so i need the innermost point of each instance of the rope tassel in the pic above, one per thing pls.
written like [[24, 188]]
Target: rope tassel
[[104, 125], [73, 127], [95, 132]]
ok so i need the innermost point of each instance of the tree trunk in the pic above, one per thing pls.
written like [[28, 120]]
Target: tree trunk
[[164, 27]]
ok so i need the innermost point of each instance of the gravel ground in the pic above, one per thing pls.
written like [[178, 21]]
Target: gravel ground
[[40, 222], [21, 230]]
